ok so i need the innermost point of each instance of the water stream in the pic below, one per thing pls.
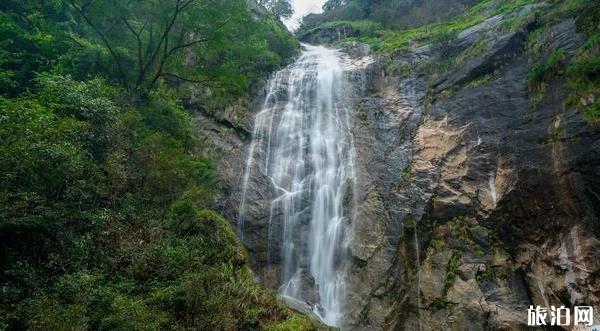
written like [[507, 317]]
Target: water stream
[[302, 141]]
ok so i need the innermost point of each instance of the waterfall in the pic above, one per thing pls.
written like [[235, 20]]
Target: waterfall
[[302, 144], [418, 275]]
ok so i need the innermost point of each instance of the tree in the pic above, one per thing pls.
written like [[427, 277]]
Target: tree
[[333, 4], [279, 8], [29, 42], [150, 39]]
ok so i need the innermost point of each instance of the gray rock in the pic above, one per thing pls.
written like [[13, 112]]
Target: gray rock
[[529, 189]]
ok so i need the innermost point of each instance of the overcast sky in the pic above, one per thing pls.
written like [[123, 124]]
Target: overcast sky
[[301, 8]]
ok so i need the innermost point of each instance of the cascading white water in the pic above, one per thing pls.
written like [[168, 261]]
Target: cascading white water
[[303, 132]]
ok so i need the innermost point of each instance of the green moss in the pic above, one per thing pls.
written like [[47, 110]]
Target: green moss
[[512, 6], [409, 223], [528, 117], [395, 68], [434, 69], [516, 22], [483, 80], [485, 275], [542, 71], [457, 226], [451, 270], [441, 303], [491, 274], [438, 245], [536, 96], [581, 72], [407, 172], [583, 79], [477, 249], [534, 46]]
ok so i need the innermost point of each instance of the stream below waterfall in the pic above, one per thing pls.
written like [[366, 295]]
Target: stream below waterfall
[[302, 143]]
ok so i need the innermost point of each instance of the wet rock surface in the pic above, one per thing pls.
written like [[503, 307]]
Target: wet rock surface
[[472, 204], [469, 205]]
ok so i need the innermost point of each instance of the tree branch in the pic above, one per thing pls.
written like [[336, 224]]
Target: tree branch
[[202, 40], [191, 43], [185, 79], [162, 39], [139, 49], [102, 37], [187, 4]]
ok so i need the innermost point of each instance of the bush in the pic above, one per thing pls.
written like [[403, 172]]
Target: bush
[[112, 230], [583, 77], [551, 67]]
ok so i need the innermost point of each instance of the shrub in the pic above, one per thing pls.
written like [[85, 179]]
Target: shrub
[[451, 270], [583, 77], [551, 67]]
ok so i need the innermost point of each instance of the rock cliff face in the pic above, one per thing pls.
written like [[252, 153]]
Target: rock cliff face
[[470, 204], [473, 204]]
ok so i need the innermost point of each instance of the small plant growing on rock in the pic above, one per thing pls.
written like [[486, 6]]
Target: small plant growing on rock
[[451, 270]]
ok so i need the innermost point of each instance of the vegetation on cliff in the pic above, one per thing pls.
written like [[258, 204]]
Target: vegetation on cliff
[[105, 197], [365, 22]]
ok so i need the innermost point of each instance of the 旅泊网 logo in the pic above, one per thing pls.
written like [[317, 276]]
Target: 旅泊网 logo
[[561, 316]]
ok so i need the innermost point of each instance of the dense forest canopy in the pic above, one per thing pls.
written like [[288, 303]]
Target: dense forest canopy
[[138, 43], [395, 14], [105, 188]]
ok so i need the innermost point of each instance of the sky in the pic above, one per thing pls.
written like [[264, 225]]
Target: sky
[[301, 8]]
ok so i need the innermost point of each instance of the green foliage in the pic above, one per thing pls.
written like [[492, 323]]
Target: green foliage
[[55, 316], [440, 35], [407, 172], [293, 323], [483, 80], [581, 72], [140, 44], [398, 35], [365, 27], [438, 245], [279, 8], [30, 42], [451, 270], [545, 70], [583, 78], [441, 303], [105, 219], [409, 223], [392, 14], [150, 41], [486, 275], [119, 242]]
